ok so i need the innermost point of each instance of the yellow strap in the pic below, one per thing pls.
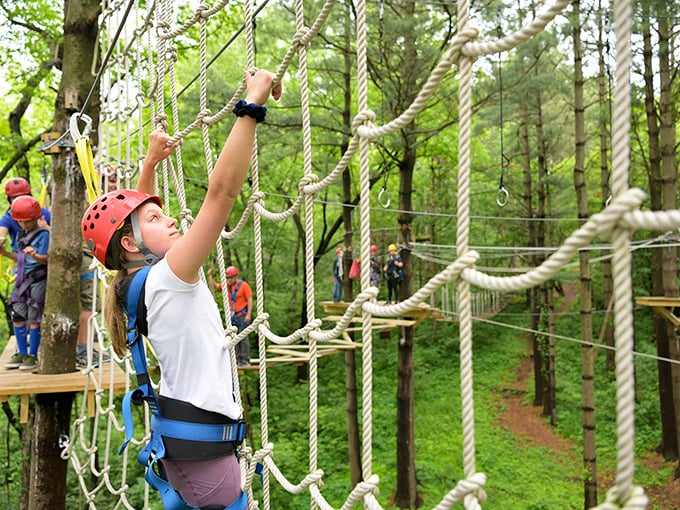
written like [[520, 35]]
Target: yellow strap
[[6, 272], [84, 152], [43, 194]]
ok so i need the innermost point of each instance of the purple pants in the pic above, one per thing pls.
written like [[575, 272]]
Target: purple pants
[[205, 482]]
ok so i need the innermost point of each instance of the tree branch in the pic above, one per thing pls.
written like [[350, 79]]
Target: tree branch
[[18, 155], [27, 26]]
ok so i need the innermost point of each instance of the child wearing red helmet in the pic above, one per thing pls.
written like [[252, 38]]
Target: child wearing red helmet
[[128, 230], [241, 306], [28, 297], [15, 187]]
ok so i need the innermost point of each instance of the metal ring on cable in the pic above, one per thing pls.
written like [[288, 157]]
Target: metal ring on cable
[[502, 197], [73, 126], [384, 203]]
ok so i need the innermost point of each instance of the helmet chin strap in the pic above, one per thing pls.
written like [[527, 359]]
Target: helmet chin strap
[[149, 258]]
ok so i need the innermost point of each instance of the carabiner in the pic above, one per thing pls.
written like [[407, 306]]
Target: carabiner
[[502, 197], [73, 126], [384, 203]]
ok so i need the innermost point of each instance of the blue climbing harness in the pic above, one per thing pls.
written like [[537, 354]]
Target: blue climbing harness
[[160, 426]]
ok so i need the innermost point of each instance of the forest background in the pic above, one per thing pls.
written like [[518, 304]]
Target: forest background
[[541, 124]]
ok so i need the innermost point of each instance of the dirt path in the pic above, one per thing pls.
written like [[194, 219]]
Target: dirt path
[[526, 422]]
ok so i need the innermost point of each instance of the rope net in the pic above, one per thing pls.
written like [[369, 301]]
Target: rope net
[[141, 87]]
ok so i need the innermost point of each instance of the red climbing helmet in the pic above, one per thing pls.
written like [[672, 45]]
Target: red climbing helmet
[[16, 187], [105, 215], [25, 208], [231, 271], [374, 248]]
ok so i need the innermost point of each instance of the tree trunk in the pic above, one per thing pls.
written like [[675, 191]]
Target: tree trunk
[[353, 435], [669, 193], [531, 242], [604, 101], [669, 441], [546, 343], [406, 495], [585, 281], [60, 319]]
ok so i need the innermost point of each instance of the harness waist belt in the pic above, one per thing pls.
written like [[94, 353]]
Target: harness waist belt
[[199, 431]]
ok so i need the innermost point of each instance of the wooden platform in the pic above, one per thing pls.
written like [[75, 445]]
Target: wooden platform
[[667, 307], [423, 311], [25, 383]]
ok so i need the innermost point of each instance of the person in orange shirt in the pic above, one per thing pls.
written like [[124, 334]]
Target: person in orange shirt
[[241, 306]]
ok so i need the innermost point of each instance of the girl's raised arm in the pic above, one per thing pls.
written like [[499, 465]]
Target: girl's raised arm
[[187, 255]]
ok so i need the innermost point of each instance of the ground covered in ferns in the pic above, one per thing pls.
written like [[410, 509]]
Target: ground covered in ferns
[[525, 421]]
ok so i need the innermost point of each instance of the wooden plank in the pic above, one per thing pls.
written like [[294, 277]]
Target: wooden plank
[[24, 382], [23, 409], [664, 306], [658, 301], [90, 404], [376, 320], [422, 311]]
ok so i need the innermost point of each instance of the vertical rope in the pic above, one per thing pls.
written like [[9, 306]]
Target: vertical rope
[[622, 261], [366, 336], [309, 241], [462, 240]]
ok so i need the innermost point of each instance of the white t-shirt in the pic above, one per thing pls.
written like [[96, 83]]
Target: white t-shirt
[[186, 332]]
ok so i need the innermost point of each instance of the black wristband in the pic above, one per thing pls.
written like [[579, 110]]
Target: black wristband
[[256, 111]]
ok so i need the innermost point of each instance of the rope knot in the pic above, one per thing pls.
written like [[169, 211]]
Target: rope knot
[[185, 214], [161, 121], [470, 491], [635, 500], [171, 54], [311, 326], [610, 218], [204, 117], [364, 118], [256, 197], [302, 37], [460, 42], [202, 11], [306, 180]]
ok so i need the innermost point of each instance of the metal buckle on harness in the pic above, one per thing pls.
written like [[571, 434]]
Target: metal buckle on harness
[[242, 430], [137, 397]]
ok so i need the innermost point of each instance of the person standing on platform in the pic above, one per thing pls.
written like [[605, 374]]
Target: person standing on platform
[[376, 266], [241, 306], [337, 275], [393, 273]]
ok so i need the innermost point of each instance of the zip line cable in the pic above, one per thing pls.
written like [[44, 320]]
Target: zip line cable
[[573, 340], [502, 196]]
